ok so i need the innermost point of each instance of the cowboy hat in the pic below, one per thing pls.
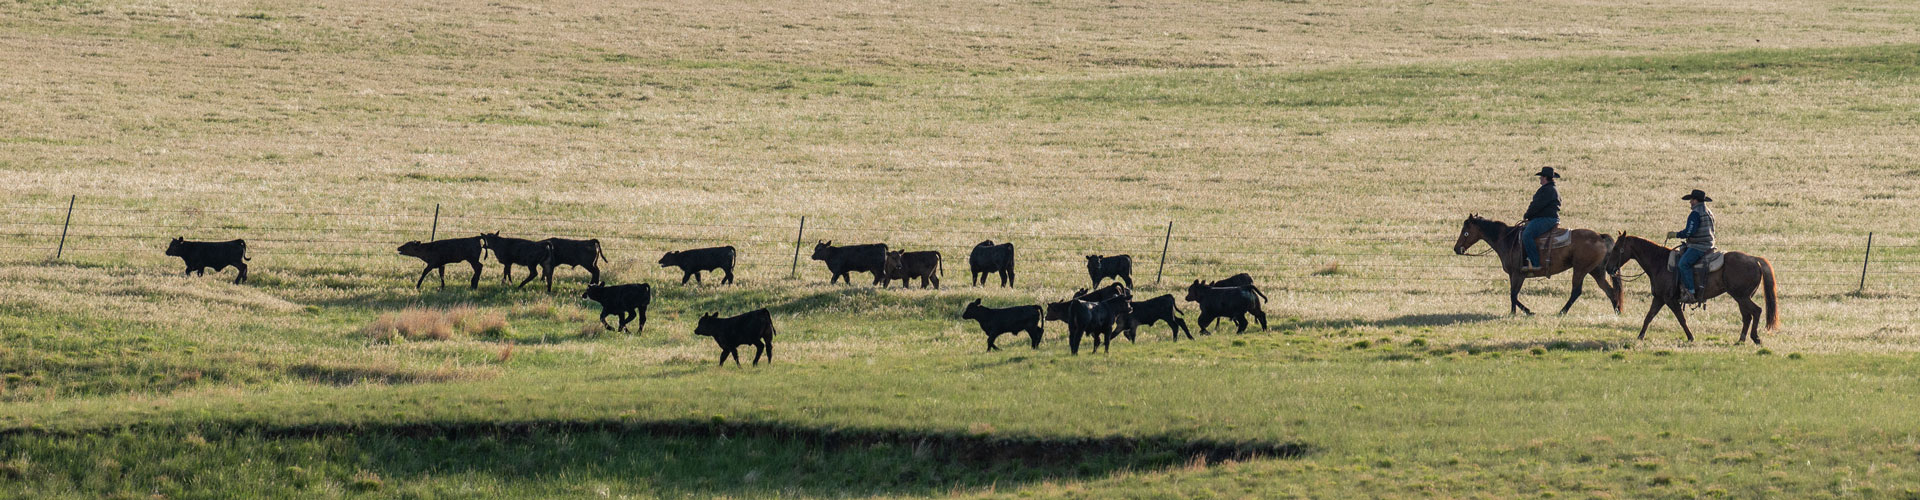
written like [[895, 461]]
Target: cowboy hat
[[1697, 195], [1547, 172]]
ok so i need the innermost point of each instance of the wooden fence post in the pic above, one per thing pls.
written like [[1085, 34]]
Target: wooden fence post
[[1863, 264], [1163, 253], [434, 233], [62, 249], [794, 273]]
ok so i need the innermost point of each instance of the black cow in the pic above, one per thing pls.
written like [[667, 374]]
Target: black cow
[[1157, 309], [693, 262], [439, 253], [1104, 293], [988, 258], [997, 320], [517, 252], [200, 255], [905, 266], [629, 302], [1237, 280], [871, 258], [1227, 302], [578, 253], [1095, 319], [753, 328], [1103, 267]]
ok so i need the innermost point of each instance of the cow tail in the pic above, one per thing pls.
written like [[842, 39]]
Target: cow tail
[[939, 265], [1263, 295], [597, 252]]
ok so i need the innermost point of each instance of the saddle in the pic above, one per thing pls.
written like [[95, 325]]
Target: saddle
[[1557, 238], [1710, 263]]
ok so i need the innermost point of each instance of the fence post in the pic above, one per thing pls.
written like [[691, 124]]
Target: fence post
[[63, 228], [794, 273], [1163, 253], [434, 233], [1863, 264]]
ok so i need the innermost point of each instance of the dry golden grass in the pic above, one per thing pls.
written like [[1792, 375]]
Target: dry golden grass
[[437, 324]]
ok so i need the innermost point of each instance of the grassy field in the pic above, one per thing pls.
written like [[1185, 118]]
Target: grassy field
[[1329, 148]]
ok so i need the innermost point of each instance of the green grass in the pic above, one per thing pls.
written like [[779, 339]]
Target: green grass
[[1329, 149]]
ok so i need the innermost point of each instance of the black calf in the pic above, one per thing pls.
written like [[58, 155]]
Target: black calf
[[200, 255], [438, 253], [988, 258], [996, 321], [754, 328], [1233, 303], [1103, 267], [629, 302], [693, 262]]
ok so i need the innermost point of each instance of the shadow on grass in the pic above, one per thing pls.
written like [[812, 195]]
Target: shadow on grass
[[1411, 320], [703, 458]]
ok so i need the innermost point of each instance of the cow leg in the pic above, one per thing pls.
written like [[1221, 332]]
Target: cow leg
[[640, 322], [603, 319], [723, 358], [1034, 334], [1179, 325], [242, 278], [625, 317], [757, 350], [533, 273], [686, 275], [1205, 320], [443, 277], [769, 343], [1008, 278], [1073, 342], [475, 285], [1259, 315], [1679, 314], [1240, 322], [729, 279], [506, 277], [549, 272], [936, 282], [423, 277], [990, 339], [1129, 279], [593, 272]]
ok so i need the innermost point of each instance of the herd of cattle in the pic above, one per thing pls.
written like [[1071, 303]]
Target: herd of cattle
[[1101, 315]]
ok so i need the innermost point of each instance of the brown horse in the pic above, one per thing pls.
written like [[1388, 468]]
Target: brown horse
[[1584, 256], [1739, 276]]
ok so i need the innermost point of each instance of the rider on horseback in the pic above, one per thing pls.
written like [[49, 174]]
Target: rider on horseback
[[1699, 242], [1542, 216]]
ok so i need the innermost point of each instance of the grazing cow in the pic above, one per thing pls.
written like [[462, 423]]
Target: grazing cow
[[578, 253], [753, 328], [988, 258], [1233, 303], [905, 266], [1157, 309], [841, 261], [996, 321], [517, 252], [1237, 280], [1103, 267], [693, 262], [439, 253], [629, 302], [200, 255]]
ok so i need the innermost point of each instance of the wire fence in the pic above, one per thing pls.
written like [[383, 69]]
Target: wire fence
[[777, 250]]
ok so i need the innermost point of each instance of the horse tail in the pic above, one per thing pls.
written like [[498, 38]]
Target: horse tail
[[1773, 307]]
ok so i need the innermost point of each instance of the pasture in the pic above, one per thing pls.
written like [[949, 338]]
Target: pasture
[[1331, 149]]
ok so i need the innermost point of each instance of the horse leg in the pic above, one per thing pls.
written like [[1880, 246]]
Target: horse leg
[[1651, 312], [1513, 294], [1749, 318], [1576, 295], [1600, 279], [1681, 315]]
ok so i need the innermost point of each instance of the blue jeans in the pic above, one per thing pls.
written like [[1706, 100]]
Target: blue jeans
[[1534, 229], [1687, 259]]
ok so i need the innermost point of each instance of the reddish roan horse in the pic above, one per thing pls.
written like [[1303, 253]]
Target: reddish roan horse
[[1739, 277], [1584, 256]]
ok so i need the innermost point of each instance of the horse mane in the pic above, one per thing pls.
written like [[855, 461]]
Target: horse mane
[[1492, 230]]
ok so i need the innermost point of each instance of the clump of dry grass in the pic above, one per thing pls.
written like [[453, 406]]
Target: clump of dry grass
[[437, 324]]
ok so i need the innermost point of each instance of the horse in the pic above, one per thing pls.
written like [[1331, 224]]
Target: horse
[[1584, 256], [1739, 276]]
